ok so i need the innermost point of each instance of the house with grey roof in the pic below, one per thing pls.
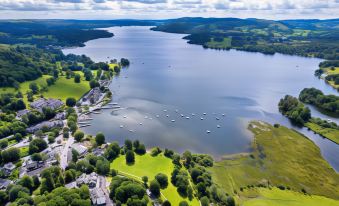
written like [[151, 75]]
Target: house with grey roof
[[8, 168], [21, 113], [4, 183], [48, 124], [81, 149], [87, 179], [46, 103], [98, 197]]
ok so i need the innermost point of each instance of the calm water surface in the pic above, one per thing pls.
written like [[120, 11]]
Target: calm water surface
[[169, 77]]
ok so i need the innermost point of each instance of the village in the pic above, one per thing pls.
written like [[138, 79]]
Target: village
[[59, 151]]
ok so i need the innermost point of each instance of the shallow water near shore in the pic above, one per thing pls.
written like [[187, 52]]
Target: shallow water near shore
[[171, 84]]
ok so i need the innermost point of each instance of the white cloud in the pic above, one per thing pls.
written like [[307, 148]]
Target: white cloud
[[154, 9]]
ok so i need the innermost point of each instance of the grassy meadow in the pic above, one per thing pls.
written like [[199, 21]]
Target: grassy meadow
[[280, 157], [146, 165], [277, 197], [329, 133]]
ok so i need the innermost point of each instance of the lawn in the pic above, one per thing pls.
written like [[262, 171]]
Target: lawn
[[149, 166], [62, 89], [280, 156], [24, 151], [277, 197], [331, 134]]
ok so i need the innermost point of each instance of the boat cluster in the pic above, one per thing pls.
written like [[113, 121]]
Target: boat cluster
[[181, 115]]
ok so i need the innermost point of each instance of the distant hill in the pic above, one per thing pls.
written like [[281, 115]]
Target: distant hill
[[311, 38]]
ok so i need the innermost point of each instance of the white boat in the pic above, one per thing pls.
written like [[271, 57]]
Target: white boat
[[172, 120], [218, 126], [204, 113], [167, 115], [121, 126], [201, 118], [187, 117], [207, 131], [157, 116]]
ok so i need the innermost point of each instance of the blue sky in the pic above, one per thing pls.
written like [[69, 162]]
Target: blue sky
[[159, 9]]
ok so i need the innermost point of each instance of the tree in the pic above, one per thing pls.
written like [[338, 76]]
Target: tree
[[77, 78], [166, 203], [34, 87], [130, 159], [36, 181], [205, 201], [18, 137], [162, 179], [3, 143], [94, 83], [13, 192], [37, 145], [128, 144], [100, 138], [10, 155], [26, 181], [36, 157], [183, 203], [102, 167], [155, 188], [230, 201], [3, 198], [78, 135], [145, 180], [75, 155], [112, 151], [70, 101], [69, 176], [140, 149]]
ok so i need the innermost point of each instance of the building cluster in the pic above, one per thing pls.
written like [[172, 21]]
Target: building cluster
[[46, 103], [92, 97]]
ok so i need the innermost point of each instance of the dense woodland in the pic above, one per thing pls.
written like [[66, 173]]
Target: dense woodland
[[316, 97], [313, 38]]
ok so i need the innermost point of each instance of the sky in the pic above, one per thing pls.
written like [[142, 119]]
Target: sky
[[164, 9]]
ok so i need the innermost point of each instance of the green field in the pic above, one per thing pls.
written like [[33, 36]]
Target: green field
[[280, 156], [149, 166], [277, 197], [329, 133], [226, 43], [62, 89]]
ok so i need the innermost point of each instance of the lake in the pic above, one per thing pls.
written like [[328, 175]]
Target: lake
[[171, 84]]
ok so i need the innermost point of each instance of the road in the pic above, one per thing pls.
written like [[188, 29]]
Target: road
[[64, 153]]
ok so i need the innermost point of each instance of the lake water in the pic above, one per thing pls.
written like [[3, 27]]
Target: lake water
[[168, 78]]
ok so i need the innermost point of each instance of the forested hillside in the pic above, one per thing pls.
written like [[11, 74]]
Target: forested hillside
[[312, 38]]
